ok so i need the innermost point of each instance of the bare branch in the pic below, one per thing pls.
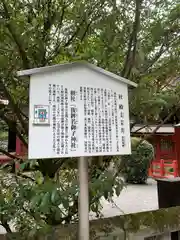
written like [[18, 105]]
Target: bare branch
[[141, 128], [25, 176]]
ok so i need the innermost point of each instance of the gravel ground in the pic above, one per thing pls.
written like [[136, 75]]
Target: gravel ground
[[3, 144], [133, 199]]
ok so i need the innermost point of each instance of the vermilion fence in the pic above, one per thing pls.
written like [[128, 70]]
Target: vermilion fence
[[21, 151], [163, 169]]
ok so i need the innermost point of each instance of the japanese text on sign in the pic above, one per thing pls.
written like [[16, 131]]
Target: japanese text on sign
[[102, 119]]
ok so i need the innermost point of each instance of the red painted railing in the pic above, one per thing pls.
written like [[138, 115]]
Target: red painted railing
[[163, 169], [21, 152], [5, 159], [20, 148]]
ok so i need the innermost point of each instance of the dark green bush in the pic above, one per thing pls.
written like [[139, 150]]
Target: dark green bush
[[136, 165]]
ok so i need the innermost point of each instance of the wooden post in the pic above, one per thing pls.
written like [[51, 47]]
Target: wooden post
[[169, 195], [174, 164], [161, 167], [18, 146], [12, 138], [150, 171], [177, 142], [83, 199], [158, 149]]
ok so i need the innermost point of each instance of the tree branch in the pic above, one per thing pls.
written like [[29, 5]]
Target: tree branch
[[150, 63], [14, 107], [86, 30], [23, 114], [147, 136], [25, 176], [9, 123], [50, 167], [5, 224], [9, 154], [163, 48], [49, 18], [139, 129], [77, 30], [131, 53], [58, 28], [60, 22], [57, 49], [16, 38], [132, 125], [84, 34], [167, 84]]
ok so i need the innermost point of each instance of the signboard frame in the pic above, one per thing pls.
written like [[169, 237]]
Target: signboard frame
[[98, 125]]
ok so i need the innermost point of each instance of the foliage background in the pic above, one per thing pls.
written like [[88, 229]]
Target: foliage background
[[137, 39], [136, 166]]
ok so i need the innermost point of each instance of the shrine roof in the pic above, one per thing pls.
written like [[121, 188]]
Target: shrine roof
[[166, 128], [59, 67]]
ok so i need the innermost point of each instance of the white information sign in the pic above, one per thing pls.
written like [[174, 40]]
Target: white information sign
[[77, 112]]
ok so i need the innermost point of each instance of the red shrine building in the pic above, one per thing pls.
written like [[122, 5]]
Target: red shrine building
[[166, 141]]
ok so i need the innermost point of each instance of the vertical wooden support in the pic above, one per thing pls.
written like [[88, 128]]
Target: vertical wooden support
[[177, 148], [174, 164], [150, 171], [83, 199], [18, 146], [161, 167], [169, 196], [12, 138]]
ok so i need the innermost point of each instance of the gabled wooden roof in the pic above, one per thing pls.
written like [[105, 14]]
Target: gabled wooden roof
[[60, 67]]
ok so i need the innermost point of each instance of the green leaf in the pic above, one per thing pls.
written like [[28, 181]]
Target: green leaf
[[94, 208], [35, 201], [55, 197], [39, 178], [58, 214], [65, 203], [44, 206]]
